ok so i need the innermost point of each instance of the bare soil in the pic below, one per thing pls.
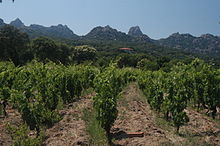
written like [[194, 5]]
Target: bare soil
[[203, 128], [71, 130], [135, 115], [13, 118]]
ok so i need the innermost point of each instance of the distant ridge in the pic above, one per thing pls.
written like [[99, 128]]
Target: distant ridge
[[204, 44], [207, 44], [107, 33], [35, 30]]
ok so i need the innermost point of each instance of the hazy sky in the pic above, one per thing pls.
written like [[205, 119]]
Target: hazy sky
[[157, 18]]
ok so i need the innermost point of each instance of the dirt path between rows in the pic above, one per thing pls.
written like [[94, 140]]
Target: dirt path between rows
[[71, 130], [135, 116], [14, 118]]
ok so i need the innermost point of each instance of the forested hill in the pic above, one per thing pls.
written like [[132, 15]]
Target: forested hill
[[107, 39]]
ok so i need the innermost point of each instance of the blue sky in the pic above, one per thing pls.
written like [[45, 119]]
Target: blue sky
[[157, 18]]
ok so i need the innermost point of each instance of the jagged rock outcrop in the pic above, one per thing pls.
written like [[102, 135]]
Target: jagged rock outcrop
[[206, 43], [17, 23], [135, 31], [1, 22]]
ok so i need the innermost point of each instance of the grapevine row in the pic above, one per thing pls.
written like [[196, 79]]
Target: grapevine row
[[37, 89], [170, 93]]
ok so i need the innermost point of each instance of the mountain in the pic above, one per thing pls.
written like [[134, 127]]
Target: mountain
[[2, 22], [136, 32], [205, 44], [59, 31], [107, 33], [34, 30], [17, 23]]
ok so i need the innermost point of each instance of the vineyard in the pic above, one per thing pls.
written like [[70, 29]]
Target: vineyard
[[39, 91]]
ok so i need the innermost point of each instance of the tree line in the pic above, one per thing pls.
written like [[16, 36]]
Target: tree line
[[17, 47]]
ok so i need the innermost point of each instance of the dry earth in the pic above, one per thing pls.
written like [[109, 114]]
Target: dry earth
[[14, 118], [71, 129], [135, 116]]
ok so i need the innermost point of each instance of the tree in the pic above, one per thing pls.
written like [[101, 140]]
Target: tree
[[82, 53], [146, 64], [45, 48], [13, 44], [127, 60], [65, 53]]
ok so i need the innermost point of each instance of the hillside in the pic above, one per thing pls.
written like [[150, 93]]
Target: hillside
[[108, 39], [35, 30], [107, 33], [206, 44]]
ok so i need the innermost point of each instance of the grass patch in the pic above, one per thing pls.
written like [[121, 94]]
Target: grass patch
[[192, 141], [1, 110], [163, 123], [20, 136], [97, 134], [87, 91]]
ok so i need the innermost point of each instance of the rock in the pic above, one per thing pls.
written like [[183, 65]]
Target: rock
[[1, 22], [205, 44], [17, 23], [135, 31]]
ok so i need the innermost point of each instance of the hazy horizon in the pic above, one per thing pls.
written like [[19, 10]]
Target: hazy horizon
[[156, 18]]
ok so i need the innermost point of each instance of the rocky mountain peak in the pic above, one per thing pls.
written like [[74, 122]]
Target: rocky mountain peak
[[17, 23], [1, 22], [106, 33], [207, 36], [177, 34], [63, 30], [135, 31], [107, 28], [181, 36], [103, 30], [62, 26]]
